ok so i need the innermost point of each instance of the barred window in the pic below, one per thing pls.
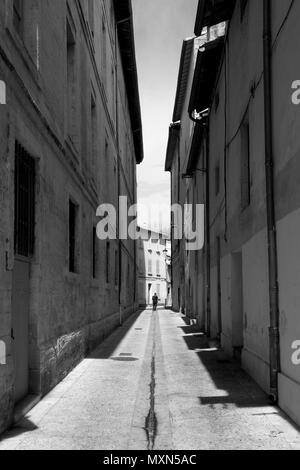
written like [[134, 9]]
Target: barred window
[[73, 238], [71, 83], [24, 202]]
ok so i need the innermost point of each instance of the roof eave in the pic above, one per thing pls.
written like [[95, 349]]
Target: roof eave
[[195, 149], [202, 90], [124, 20], [172, 141], [212, 12], [184, 67]]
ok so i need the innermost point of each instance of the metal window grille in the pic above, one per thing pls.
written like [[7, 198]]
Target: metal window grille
[[24, 202]]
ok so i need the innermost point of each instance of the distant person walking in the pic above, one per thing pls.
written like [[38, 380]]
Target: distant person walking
[[155, 302]]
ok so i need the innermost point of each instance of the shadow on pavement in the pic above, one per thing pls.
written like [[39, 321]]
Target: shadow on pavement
[[103, 351], [23, 426], [110, 344], [225, 372]]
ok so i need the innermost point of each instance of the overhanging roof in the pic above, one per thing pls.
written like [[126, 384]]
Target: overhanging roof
[[124, 19], [207, 66], [183, 76], [195, 148], [172, 142], [212, 12]]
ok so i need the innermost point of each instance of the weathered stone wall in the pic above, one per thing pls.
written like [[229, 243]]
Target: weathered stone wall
[[69, 313], [6, 366]]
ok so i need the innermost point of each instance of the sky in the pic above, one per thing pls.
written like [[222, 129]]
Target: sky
[[160, 28]]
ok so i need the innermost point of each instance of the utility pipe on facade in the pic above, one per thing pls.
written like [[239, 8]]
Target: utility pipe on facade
[[270, 205], [207, 229], [172, 241]]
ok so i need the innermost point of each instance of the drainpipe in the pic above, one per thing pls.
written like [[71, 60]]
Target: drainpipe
[[271, 220], [207, 228], [172, 243]]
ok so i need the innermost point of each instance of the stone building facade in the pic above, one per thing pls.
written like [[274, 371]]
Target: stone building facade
[[70, 139], [186, 293], [243, 163], [153, 274]]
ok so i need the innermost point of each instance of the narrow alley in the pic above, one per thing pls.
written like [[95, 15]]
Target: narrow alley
[[155, 383]]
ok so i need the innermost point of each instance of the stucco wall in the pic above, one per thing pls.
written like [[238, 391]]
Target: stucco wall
[[239, 99], [246, 230]]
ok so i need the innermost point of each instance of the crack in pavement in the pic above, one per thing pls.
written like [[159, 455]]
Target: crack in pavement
[[151, 423], [150, 426], [151, 419]]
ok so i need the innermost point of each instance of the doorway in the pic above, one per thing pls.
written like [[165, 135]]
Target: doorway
[[20, 327], [237, 303], [219, 287], [149, 294], [24, 240]]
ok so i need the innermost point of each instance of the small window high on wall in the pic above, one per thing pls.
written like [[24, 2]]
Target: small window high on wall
[[245, 165], [71, 84], [73, 237]]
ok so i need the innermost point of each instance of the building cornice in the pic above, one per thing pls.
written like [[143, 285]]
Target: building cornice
[[183, 77], [124, 21], [174, 131]]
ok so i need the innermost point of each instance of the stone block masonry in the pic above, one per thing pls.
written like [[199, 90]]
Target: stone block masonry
[[72, 131]]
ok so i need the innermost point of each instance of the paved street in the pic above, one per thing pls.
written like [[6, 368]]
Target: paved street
[[155, 384]]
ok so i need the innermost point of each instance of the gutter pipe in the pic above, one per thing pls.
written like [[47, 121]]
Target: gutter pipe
[[270, 203]]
